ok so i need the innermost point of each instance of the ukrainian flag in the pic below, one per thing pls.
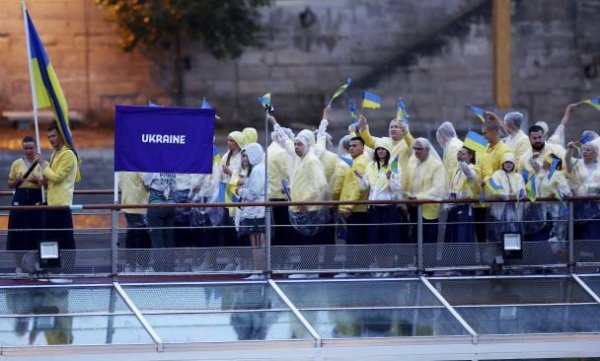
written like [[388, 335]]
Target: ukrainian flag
[[479, 112], [394, 167], [371, 101], [494, 187], [352, 111], [594, 102], [401, 112], [205, 104], [341, 90], [475, 142], [227, 193], [48, 92], [265, 100]]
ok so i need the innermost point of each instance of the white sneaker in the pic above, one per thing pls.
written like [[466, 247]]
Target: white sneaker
[[128, 268], [297, 276], [149, 269], [342, 275], [18, 270], [255, 277]]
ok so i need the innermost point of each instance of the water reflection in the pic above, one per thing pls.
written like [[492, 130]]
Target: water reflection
[[252, 325], [43, 309]]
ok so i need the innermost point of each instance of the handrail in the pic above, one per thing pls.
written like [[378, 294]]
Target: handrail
[[286, 203]]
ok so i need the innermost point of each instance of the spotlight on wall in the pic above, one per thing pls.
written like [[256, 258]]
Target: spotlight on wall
[[512, 245], [49, 254]]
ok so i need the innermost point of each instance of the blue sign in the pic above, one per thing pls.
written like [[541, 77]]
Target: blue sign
[[164, 139]]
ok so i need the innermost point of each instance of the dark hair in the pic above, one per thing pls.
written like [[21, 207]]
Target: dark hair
[[28, 139], [386, 160], [249, 164], [362, 141], [53, 127], [535, 128], [554, 156], [491, 126], [471, 153]]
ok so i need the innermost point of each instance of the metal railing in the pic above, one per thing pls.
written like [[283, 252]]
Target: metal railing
[[216, 249]]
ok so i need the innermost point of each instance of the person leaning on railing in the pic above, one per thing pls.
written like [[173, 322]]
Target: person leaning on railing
[[584, 177], [23, 178]]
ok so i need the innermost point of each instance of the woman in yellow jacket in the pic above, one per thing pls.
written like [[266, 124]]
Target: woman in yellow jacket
[[425, 179], [464, 183]]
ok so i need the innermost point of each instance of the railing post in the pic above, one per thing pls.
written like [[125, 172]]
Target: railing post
[[571, 237], [268, 233], [420, 267], [114, 227]]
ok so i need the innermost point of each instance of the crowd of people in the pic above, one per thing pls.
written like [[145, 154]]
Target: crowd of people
[[305, 167]]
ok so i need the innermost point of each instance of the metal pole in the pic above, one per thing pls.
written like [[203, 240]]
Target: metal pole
[[268, 267], [114, 244], [571, 245], [420, 267], [33, 94]]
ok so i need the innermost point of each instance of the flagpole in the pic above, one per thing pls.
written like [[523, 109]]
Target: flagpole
[[267, 209], [33, 93]]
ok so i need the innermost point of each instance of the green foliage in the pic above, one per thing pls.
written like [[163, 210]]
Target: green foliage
[[225, 27]]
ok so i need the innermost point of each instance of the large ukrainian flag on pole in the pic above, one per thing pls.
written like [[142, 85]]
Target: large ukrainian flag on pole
[[45, 85]]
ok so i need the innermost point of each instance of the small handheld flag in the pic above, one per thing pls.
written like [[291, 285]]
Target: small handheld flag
[[553, 166], [531, 189], [286, 189], [216, 155], [494, 187], [352, 111], [401, 112], [371, 101], [265, 101], [205, 104], [347, 160], [479, 112], [594, 102], [227, 193], [341, 90], [475, 142], [586, 138], [394, 167]]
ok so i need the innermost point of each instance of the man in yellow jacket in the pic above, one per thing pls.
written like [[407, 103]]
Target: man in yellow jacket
[[425, 178], [59, 176], [399, 136], [355, 215]]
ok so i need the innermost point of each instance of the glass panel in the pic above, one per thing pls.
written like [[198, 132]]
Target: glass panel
[[77, 330], [204, 297], [360, 294], [593, 282], [499, 291], [214, 327], [384, 323], [41, 300], [532, 319]]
